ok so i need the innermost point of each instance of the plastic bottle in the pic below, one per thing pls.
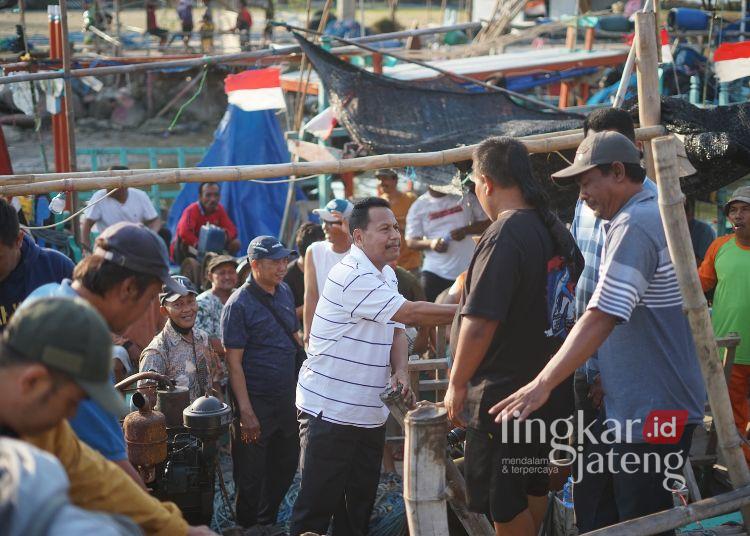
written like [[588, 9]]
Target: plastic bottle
[[567, 493]]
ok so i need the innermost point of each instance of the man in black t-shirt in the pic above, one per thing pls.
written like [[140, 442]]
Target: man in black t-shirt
[[498, 338], [295, 276]]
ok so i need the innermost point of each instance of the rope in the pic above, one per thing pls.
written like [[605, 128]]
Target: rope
[[190, 100], [66, 220]]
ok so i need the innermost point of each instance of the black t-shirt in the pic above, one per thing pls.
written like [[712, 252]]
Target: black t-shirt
[[295, 278], [507, 282]]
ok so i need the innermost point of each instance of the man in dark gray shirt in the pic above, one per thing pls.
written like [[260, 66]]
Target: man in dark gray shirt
[[653, 389], [256, 326]]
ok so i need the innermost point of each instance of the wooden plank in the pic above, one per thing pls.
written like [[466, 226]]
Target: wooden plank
[[312, 152], [433, 385], [678, 517], [428, 364]]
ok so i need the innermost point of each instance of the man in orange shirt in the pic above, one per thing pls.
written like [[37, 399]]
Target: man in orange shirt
[[408, 259], [725, 269]]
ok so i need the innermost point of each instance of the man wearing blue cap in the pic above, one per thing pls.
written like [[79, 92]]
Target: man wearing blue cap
[[258, 329], [324, 255]]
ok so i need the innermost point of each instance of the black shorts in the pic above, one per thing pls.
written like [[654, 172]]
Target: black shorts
[[187, 27], [500, 474]]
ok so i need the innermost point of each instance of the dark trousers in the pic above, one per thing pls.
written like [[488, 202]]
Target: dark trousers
[[434, 285], [340, 468], [617, 496], [264, 470], [581, 397]]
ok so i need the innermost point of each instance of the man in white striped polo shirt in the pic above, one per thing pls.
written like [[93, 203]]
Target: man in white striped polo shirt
[[357, 343], [647, 360]]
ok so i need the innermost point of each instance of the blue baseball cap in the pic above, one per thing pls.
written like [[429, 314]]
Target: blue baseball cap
[[269, 247], [335, 205]]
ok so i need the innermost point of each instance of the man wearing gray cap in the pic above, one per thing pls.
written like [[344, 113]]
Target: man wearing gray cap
[[119, 279], [634, 320], [64, 342]]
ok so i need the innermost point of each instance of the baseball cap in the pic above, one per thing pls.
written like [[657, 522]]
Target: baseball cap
[[137, 248], [68, 335], [386, 172], [268, 247], [169, 295], [740, 194], [335, 205], [600, 148], [218, 260]]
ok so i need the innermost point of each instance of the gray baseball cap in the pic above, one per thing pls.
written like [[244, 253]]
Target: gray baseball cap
[[136, 247], [740, 194], [68, 335], [600, 148]]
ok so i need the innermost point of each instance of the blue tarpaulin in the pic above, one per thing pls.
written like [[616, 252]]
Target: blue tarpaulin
[[244, 138]]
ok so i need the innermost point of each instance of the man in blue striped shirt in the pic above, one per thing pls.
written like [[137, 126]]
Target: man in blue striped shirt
[[648, 364]]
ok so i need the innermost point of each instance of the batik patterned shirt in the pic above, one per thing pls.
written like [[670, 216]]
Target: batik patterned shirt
[[190, 364]]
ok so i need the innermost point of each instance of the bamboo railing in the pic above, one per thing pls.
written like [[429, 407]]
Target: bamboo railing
[[36, 184]]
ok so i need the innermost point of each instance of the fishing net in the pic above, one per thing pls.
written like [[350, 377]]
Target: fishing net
[[717, 142], [388, 516], [385, 115]]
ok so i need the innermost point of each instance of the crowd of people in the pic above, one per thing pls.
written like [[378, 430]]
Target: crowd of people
[[302, 341]]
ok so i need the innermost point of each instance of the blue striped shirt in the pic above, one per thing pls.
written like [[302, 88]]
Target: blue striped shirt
[[648, 362], [588, 232]]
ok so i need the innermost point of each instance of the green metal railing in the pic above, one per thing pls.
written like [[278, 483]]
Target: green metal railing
[[124, 156]]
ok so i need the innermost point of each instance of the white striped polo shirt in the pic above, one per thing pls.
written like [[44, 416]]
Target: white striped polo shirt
[[349, 354]]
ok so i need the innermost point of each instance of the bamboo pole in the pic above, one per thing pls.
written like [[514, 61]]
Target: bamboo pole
[[628, 69], [223, 58], [671, 202], [130, 178], [680, 516], [69, 111], [424, 471], [649, 100], [7, 180]]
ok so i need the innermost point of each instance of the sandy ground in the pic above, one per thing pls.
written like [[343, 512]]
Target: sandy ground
[[24, 144], [135, 19]]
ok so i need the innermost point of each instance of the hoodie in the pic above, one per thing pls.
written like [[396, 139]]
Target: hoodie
[[37, 267]]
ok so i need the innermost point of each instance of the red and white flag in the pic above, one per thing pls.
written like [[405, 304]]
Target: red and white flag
[[732, 61], [254, 90]]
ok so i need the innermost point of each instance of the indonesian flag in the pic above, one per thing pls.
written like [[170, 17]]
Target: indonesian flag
[[732, 61], [259, 89]]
